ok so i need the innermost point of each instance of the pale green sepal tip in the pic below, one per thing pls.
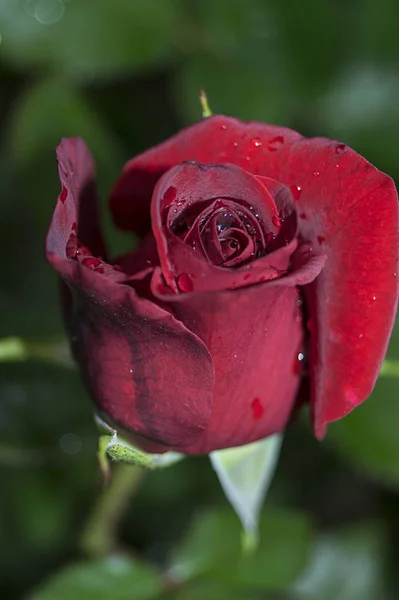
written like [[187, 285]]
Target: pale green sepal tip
[[206, 111], [112, 445], [245, 473], [249, 541]]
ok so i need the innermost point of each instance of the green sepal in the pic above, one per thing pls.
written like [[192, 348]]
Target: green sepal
[[112, 446]]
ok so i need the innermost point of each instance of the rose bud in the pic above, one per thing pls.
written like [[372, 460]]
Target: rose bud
[[265, 276]]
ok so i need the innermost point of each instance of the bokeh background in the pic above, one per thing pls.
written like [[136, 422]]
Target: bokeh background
[[125, 74]]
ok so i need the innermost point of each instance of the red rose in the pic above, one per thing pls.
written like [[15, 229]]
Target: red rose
[[259, 248]]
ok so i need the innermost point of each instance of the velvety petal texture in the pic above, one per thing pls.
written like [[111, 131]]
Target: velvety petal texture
[[266, 260], [126, 346], [346, 209]]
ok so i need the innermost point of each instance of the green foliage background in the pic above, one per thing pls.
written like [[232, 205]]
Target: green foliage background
[[125, 74]]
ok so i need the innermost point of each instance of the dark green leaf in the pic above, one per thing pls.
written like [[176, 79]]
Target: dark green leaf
[[213, 547], [116, 578]]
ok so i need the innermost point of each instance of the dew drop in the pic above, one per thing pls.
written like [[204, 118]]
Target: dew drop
[[302, 216], [296, 191], [71, 246], [321, 239], [256, 142], [169, 196], [91, 263], [340, 148], [74, 226], [223, 127], [64, 194], [276, 221], [235, 144], [275, 143], [257, 409], [297, 367], [316, 174], [352, 398], [262, 278], [247, 276], [185, 283]]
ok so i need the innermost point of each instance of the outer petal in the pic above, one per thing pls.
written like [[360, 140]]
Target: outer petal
[[254, 336], [145, 371], [346, 207]]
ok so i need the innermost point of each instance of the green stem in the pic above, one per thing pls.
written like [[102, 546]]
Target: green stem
[[100, 534]]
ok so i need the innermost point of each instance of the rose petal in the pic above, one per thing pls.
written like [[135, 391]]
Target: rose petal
[[346, 207], [75, 214], [198, 183], [141, 365], [254, 336]]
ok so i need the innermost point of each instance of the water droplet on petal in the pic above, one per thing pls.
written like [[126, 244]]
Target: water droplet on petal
[[321, 239], [235, 144], [276, 221], [298, 363], [71, 246], [169, 196], [185, 283], [256, 142], [257, 409], [74, 227], [91, 263], [296, 191], [351, 398], [223, 127], [316, 174], [64, 194], [247, 276], [275, 143], [302, 216], [340, 148]]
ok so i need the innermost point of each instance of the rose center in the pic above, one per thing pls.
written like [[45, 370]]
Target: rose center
[[226, 232]]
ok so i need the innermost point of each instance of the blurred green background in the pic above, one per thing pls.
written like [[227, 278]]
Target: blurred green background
[[125, 74]]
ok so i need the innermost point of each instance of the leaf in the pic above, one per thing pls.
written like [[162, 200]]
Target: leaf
[[116, 577], [245, 474], [211, 543], [347, 564], [282, 553], [212, 548]]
